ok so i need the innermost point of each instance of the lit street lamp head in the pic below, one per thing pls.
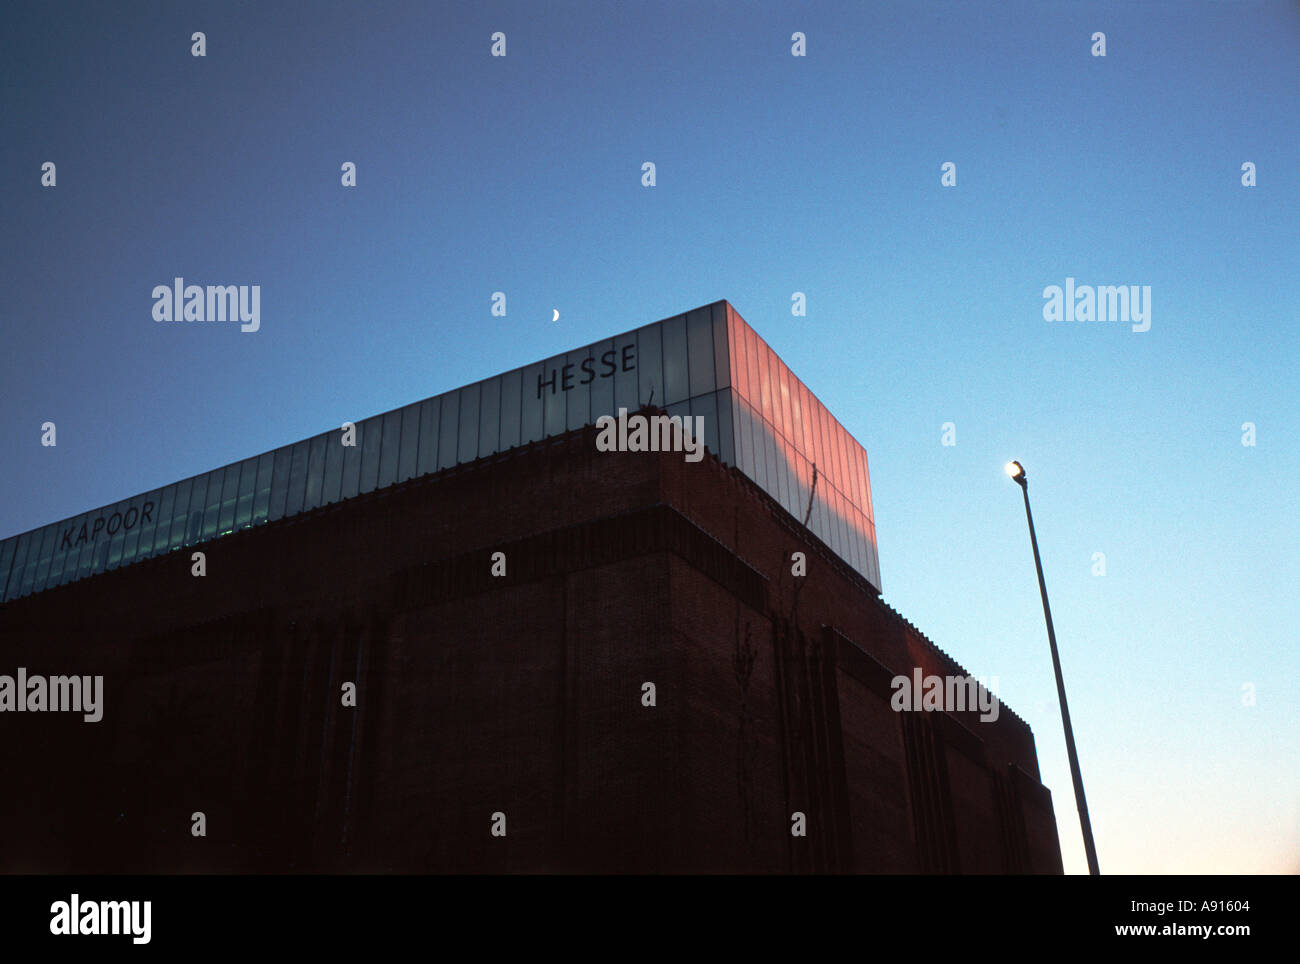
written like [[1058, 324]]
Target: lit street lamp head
[[1017, 472]]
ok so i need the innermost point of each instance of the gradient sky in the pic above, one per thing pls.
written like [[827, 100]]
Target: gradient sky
[[775, 174]]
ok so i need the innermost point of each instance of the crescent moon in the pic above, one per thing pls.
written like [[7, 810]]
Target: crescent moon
[[555, 314]]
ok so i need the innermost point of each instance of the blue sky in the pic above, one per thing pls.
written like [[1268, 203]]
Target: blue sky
[[775, 174]]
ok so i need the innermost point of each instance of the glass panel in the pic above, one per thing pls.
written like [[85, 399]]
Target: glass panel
[[510, 401], [64, 553], [581, 365], [531, 423], [489, 417], [602, 383], [6, 560], [390, 449], [791, 480], [625, 375], [855, 474], [351, 483], [847, 483], [801, 420], [866, 478], [38, 561], [41, 568], [116, 535], [117, 545], [676, 380], [130, 536], [229, 496], [649, 356], [333, 480], [699, 350], [297, 477], [151, 516], [752, 450], [180, 515], [837, 454], [766, 391], [408, 459], [856, 470], [798, 488], [760, 449], [553, 395], [45, 574], [467, 449], [448, 429], [139, 538], [826, 533], [428, 458], [262, 500], [819, 430], [842, 548], [795, 424], [844, 526], [721, 351], [706, 407], [830, 449], [28, 547], [865, 475], [773, 477], [726, 428], [739, 357], [755, 396], [98, 556], [18, 567], [786, 390], [821, 509], [212, 508], [14, 585], [198, 502], [48, 538], [72, 565], [841, 438], [371, 441], [247, 488], [316, 469], [37, 551], [14, 575], [279, 482], [161, 520]]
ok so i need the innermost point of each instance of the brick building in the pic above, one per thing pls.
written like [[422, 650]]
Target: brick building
[[520, 698]]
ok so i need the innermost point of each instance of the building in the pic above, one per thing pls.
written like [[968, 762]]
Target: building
[[498, 593]]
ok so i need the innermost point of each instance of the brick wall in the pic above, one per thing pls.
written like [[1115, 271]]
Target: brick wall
[[520, 695]]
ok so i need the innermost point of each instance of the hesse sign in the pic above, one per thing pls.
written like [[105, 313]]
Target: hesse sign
[[117, 521], [608, 362]]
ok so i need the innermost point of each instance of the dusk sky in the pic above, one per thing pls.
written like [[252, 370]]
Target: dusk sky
[[775, 174]]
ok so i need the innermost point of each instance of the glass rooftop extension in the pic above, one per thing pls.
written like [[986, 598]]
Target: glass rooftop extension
[[707, 362]]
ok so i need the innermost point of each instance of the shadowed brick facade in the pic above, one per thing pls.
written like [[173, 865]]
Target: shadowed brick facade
[[519, 694]]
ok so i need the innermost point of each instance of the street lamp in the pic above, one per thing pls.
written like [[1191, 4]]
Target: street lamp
[[1017, 473]]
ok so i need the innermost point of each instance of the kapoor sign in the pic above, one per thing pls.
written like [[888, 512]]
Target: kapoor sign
[[117, 522]]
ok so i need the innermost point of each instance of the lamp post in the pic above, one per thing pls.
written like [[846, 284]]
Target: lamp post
[[1017, 473]]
